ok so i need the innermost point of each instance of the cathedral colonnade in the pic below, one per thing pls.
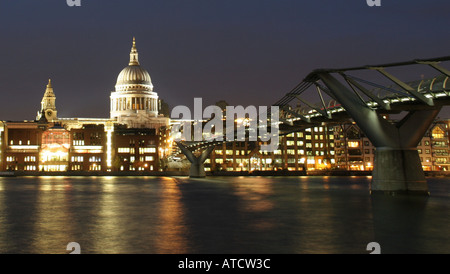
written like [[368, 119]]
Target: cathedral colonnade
[[134, 102]]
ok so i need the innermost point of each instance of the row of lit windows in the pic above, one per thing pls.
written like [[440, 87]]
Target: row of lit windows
[[77, 158], [30, 159], [131, 150], [438, 160], [95, 159], [78, 142], [11, 158], [20, 142], [141, 168], [301, 143], [93, 167], [27, 167]]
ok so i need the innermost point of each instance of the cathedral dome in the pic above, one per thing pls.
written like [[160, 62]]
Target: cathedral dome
[[134, 77]]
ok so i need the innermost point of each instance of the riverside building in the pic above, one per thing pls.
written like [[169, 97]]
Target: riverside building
[[334, 146], [126, 141]]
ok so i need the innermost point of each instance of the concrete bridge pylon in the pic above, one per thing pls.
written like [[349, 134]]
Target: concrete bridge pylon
[[397, 165], [197, 169]]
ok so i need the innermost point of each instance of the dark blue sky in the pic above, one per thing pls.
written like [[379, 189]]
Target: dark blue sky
[[247, 52]]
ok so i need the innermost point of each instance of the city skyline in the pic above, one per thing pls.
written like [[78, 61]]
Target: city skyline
[[307, 127], [233, 51]]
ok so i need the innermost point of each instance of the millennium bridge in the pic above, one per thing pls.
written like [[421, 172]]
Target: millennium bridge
[[365, 94]]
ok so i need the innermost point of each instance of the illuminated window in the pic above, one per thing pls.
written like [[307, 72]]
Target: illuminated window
[[143, 150], [441, 160], [11, 159], [76, 167], [77, 158], [353, 144], [437, 133], [30, 159], [150, 158], [95, 159], [96, 167], [123, 150]]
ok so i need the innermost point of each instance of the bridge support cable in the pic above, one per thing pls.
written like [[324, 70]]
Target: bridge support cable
[[325, 112], [397, 166], [353, 84], [379, 86], [319, 110], [299, 89], [406, 87], [434, 64], [197, 169]]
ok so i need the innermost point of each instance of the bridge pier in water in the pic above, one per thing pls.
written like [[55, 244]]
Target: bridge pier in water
[[197, 169], [397, 165]]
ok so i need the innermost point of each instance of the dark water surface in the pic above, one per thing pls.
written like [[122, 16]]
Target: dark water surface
[[218, 215]]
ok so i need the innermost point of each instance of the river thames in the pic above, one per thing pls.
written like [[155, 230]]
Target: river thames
[[218, 215]]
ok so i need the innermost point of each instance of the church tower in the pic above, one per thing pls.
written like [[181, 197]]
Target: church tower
[[48, 105]]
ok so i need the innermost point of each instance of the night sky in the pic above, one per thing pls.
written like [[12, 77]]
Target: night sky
[[247, 52]]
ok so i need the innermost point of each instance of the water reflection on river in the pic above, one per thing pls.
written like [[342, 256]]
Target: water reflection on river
[[218, 215]]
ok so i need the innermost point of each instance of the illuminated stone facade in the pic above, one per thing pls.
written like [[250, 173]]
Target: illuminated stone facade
[[127, 141], [134, 102]]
